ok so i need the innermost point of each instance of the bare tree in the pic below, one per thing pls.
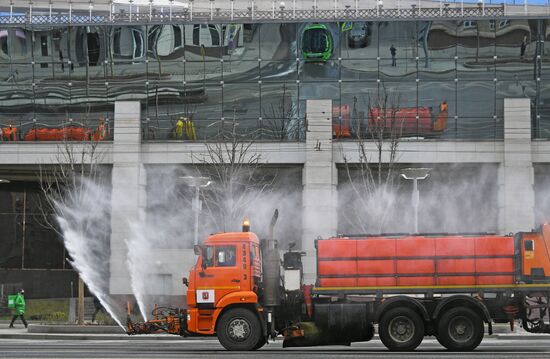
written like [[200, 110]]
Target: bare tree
[[373, 179], [238, 175], [282, 118], [62, 183]]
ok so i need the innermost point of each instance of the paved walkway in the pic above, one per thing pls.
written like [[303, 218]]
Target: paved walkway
[[80, 333]]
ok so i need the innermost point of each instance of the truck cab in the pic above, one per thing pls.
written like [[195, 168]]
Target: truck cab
[[226, 276]]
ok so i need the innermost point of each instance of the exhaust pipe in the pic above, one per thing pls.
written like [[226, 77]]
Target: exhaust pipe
[[272, 224], [271, 275]]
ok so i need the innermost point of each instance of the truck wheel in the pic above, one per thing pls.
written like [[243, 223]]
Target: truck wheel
[[460, 329], [401, 329], [239, 329], [260, 343]]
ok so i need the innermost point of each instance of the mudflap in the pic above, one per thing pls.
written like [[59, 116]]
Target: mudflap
[[183, 323]]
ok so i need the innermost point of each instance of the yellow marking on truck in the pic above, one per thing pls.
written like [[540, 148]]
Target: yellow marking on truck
[[230, 287], [486, 286]]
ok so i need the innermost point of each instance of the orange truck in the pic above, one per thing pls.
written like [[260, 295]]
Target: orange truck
[[392, 122], [408, 121], [69, 133], [453, 287]]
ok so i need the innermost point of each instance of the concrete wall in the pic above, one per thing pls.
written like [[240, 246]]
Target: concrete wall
[[320, 177], [128, 195], [516, 174], [129, 200]]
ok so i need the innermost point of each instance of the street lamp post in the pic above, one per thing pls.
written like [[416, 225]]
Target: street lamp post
[[415, 174], [197, 183]]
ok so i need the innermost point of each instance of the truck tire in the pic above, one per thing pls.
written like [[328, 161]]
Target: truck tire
[[239, 329], [401, 329], [460, 329], [260, 343]]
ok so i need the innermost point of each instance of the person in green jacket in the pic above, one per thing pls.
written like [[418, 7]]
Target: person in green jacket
[[19, 308]]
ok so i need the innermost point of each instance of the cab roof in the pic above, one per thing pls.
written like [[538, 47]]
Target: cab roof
[[232, 237]]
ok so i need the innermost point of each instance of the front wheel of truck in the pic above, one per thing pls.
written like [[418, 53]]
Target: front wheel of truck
[[260, 343], [401, 329], [239, 329]]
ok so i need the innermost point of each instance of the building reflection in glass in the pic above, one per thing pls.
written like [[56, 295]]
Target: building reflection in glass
[[259, 75]]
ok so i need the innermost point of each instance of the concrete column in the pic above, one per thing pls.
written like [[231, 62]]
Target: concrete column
[[319, 196], [128, 190], [516, 175]]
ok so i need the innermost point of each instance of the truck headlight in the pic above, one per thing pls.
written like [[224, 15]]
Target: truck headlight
[[188, 317]]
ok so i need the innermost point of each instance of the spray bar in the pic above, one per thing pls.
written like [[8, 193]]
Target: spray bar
[[165, 320]]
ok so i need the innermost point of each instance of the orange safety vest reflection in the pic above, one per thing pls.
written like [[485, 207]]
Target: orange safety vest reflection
[[9, 133], [341, 129], [441, 120], [190, 130], [179, 128], [100, 133]]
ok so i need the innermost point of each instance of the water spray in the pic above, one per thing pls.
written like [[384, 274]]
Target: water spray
[[81, 263]]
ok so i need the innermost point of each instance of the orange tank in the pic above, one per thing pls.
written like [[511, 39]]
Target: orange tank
[[401, 121], [416, 261], [73, 133]]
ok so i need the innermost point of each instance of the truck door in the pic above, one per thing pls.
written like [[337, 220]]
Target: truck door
[[223, 274]]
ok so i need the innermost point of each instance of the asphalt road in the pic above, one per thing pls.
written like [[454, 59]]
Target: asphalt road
[[205, 348]]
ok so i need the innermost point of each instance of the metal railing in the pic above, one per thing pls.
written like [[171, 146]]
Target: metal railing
[[249, 15], [215, 130]]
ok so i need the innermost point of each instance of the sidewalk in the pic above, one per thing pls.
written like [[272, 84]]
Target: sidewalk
[[38, 331], [97, 332]]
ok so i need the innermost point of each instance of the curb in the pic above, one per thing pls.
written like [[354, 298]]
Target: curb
[[37, 336], [74, 329], [521, 336]]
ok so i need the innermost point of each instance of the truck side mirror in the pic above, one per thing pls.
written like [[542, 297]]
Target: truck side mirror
[[201, 251], [197, 249], [185, 281]]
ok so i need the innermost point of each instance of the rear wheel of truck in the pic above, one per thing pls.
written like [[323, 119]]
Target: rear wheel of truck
[[260, 343], [239, 329], [460, 329], [401, 329]]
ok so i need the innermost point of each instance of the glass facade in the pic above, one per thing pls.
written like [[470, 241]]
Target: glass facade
[[27, 241], [445, 79]]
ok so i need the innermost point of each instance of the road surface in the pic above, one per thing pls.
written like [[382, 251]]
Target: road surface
[[208, 348]]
